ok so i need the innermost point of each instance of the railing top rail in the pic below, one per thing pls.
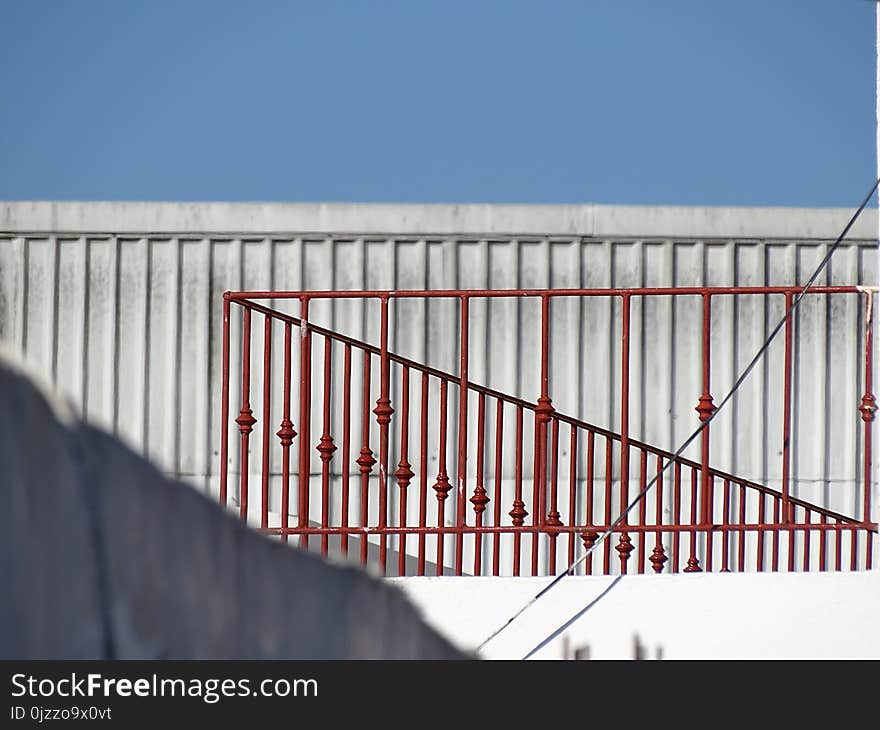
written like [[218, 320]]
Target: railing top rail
[[239, 296], [527, 405]]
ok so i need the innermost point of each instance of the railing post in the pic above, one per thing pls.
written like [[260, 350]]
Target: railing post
[[383, 411], [624, 546], [868, 408], [544, 412], [706, 408], [786, 414], [224, 404]]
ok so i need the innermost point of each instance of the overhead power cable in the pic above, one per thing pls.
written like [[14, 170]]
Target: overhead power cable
[[703, 424]]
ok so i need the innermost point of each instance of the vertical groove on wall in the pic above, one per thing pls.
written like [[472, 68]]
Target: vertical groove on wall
[[84, 410], [24, 294], [115, 336], [148, 245], [178, 354], [54, 294]]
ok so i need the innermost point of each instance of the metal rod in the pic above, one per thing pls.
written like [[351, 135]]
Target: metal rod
[[479, 498], [266, 416], [245, 418], [383, 413], [461, 480], [286, 434], [496, 514], [404, 471], [346, 443], [326, 447], [305, 395], [423, 471]]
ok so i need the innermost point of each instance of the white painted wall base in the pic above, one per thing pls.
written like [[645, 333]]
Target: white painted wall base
[[720, 616]]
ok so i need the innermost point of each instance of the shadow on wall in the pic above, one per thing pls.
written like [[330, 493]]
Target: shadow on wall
[[106, 558]]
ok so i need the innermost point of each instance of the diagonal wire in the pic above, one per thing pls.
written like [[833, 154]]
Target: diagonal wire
[[704, 424]]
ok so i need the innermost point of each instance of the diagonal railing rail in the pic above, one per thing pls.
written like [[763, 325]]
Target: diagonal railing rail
[[523, 476]]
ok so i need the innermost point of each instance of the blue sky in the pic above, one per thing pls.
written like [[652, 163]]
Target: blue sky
[[688, 102]]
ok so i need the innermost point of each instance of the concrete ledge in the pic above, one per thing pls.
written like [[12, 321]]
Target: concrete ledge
[[433, 220]]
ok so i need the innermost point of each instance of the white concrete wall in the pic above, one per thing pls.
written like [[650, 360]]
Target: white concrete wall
[[119, 304], [699, 616]]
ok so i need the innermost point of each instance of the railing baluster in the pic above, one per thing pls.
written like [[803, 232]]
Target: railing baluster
[[365, 461], [346, 444], [553, 516], [383, 412], [643, 507], [479, 499], [245, 418], [725, 535], [808, 519], [609, 470], [537, 509], [572, 490], [823, 543], [658, 555], [441, 486], [777, 513], [423, 472], [676, 515], [838, 544], [496, 516], [708, 523], [285, 435], [461, 488], [762, 519], [266, 415], [693, 563], [326, 447], [854, 550], [590, 494], [305, 395], [518, 513], [741, 537], [404, 472]]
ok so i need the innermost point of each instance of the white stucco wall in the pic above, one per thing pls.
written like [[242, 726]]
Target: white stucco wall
[[709, 615]]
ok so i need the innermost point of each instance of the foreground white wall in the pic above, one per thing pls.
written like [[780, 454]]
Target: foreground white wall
[[710, 615]]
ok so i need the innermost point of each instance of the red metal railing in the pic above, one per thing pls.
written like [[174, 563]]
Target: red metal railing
[[504, 503]]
